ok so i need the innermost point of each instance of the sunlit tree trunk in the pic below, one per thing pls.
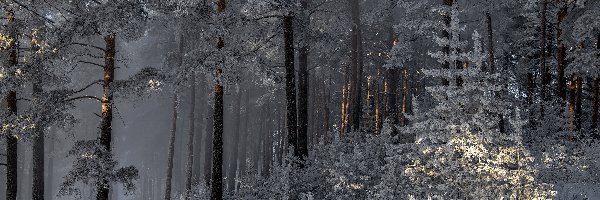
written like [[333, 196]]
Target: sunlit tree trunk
[[171, 148], [217, 152], [355, 86], [107, 114]]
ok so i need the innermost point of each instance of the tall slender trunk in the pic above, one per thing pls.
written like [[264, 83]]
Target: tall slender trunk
[[405, 96], [107, 115], [303, 84], [11, 152], [192, 131], [217, 153], [490, 40], [38, 140], [290, 82], [171, 148], [38, 155], [355, 111], [561, 55], [446, 18], [11, 102], [544, 72]]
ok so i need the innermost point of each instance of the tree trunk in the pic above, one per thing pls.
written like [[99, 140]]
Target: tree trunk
[[355, 111], [216, 192], [192, 131], [405, 96], [38, 155], [106, 124], [303, 84], [11, 152], [544, 72], [290, 82], [446, 18], [490, 40], [11, 102], [171, 148], [561, 55]]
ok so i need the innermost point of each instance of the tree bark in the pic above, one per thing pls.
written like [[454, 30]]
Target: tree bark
[[38, 155], [107, 114], [171, 148], [561, 55], [303, 84], [446, 18], [290, 83], [544, 72], [490, 40], [11, 152], [192, 131], [216, 192], [11, 102], [355, 111]]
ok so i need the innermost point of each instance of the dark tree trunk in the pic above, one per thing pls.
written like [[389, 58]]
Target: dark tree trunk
[[596, 99], [11, 152], [544, 72], [11, 102], [217, 152], [561, 55], [446, 18], [303, 85], [355, 110], [107, 115], [216, 192], [171, 149], [490, 40], [38, 155], [290, 82]]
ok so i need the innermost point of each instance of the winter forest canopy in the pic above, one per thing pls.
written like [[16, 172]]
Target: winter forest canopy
[[299, 99]]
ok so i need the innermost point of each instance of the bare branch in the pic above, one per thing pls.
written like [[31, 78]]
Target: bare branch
[[91, 63], [88, 86], [85, 97]]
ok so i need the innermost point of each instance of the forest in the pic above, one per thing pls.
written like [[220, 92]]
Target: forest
[[299, 99]]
